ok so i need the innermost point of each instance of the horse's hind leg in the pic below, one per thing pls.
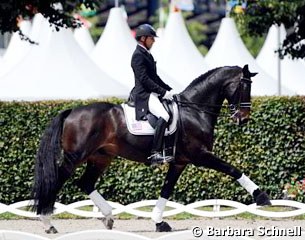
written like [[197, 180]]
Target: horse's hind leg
[[64, 173], [95, 167], [46, 221], [211, 161]]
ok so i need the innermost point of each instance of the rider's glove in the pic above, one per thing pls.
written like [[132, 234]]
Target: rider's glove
[[168, 95]]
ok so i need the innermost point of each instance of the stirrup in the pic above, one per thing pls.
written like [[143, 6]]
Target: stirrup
[[157, 158]]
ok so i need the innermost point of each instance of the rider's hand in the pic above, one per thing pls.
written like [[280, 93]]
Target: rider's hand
[[168, 95]]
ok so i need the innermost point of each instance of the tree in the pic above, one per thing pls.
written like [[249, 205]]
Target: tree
[[59, 12], [259, 15]]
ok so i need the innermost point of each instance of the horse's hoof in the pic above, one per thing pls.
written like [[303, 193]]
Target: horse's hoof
[[108, 222], [163, 227], [262, 199], [51, 230]]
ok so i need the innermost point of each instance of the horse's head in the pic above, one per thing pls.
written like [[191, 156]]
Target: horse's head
[[239, 97]]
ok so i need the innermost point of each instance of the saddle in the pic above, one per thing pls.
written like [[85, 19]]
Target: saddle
[[146, 126]]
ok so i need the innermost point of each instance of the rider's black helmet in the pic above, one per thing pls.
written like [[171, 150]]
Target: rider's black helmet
[[145, 30]]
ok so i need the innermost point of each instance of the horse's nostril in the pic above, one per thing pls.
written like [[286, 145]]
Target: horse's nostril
[[244, 121]]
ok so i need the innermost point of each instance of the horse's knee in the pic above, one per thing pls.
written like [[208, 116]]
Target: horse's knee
[[209, 160]]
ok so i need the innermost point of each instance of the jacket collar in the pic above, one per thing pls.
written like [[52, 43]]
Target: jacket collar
[[146, 53], [143, 48]]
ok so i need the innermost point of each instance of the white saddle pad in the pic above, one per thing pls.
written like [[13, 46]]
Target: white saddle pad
[[143, 127]]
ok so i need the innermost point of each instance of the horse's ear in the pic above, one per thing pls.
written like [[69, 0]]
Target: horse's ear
[[247, 73], [245, 69], [253, 74]]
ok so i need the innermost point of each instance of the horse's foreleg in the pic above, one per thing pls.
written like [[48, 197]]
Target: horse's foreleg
[[172, 176], [209, 160], [87, 185], [261, 198]]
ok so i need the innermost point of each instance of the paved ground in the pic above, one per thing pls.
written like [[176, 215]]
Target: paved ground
[[146, 227]]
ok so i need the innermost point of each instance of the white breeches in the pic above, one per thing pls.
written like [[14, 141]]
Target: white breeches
[[156, 107]]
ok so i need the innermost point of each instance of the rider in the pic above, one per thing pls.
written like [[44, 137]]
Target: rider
[[149, 89]]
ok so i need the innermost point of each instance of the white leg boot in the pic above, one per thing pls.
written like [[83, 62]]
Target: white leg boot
[[104, 207]]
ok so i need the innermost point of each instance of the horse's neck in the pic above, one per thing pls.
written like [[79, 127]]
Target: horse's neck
[[207, 99], [205, 94]]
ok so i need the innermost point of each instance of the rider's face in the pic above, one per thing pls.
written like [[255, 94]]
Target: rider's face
[[149, 41]]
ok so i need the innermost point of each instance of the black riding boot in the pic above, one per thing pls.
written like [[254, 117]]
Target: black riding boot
[[157, 157]]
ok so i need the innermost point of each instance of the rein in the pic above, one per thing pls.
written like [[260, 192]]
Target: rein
[[232, 107], [197, 106]]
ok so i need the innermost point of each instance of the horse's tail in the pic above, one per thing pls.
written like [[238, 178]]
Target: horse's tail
[[46, 167]]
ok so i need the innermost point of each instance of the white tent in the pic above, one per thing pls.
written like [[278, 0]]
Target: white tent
[[228, 49], [155, 50], [177, 54], [57, 68], [292, 71], [17, 48], [84, 39], [2, 52], [114, 50], [40, 29], [38, 32]]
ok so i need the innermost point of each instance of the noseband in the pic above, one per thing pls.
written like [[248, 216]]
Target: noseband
[[242, 91]]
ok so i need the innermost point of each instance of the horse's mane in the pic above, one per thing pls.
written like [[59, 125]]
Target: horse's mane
[[201, 78]]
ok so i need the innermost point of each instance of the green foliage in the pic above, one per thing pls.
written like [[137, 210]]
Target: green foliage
[[260, 15], [253, 43], [11, 10], [95, 33], [196, 29], [270, 149]]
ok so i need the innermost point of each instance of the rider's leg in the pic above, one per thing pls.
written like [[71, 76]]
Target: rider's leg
[[157, 109]]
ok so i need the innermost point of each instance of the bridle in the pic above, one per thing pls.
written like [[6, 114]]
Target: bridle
[[240, 100], [242, 92]]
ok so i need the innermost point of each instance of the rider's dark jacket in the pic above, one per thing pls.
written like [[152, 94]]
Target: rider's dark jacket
[[146, 80]]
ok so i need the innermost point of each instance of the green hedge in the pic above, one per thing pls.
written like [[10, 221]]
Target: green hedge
[[270, 149]]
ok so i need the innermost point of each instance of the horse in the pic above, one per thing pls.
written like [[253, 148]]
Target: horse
[[96, 133]]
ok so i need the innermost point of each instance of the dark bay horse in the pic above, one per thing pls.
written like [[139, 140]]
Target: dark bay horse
[[96, 133]]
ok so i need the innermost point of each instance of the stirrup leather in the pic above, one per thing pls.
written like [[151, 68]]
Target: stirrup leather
[[158, 158]]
